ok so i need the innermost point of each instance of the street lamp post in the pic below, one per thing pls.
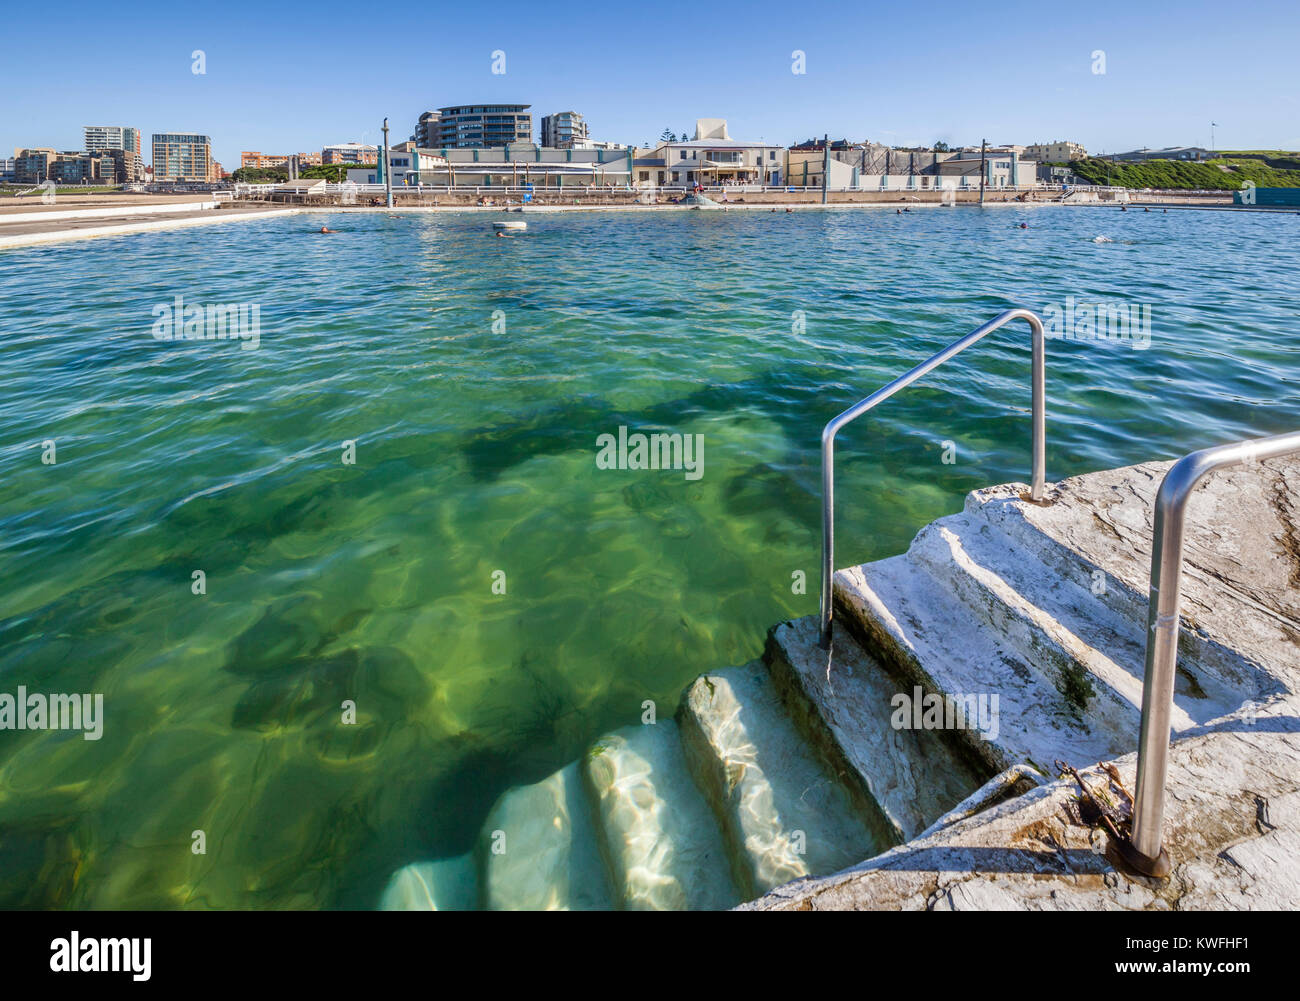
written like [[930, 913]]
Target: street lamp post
[[388, 170]]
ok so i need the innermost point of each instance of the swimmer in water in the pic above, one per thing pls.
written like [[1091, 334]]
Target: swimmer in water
[[326, 229], [1024, 225]]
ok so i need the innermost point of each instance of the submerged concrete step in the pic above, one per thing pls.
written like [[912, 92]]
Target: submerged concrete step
[[449, 884], [660, 839], [538, 849], [783, 815], [848, 704]]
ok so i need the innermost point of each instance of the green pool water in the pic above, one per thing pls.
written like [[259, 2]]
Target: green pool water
[[475, 375]]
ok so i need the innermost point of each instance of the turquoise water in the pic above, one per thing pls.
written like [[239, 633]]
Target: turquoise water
[[475, 453]]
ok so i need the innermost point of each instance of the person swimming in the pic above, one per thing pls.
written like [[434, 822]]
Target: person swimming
[[1024, 225], [326, 229]]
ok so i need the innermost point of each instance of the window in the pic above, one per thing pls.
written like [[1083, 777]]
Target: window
[[675, 177], [771, 154], [683, 154], [645, 175]]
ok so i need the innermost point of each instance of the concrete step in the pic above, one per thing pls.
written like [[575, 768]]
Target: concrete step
[[538, 849], [783, 814], [449, 884], [1241, 603], [1012, 596], [926, 634], [1061, 620], [845, 703], [660, 839]]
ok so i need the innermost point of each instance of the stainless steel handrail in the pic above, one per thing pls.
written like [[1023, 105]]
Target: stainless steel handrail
[[880, 395], [1162, 633]]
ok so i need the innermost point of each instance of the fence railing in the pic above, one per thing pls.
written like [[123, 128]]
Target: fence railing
[[1147, 852], [1039, 442]]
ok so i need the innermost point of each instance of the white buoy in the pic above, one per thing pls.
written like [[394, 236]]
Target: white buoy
[[511, 224]]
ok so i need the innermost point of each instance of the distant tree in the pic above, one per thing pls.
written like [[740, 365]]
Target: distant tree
[[259, 175], [667, 136], [942, 147], [685, 136]]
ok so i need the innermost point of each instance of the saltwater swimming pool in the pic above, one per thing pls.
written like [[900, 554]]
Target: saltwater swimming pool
[[474, 377]]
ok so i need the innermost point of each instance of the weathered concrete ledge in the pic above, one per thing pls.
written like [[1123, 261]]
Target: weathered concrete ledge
[[1045, 605], [37, 229], [1232, 831]]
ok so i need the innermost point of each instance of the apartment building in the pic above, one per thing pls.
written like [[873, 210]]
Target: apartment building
[[32, 166], [38, 165], [259, 160], [426, 128], [350, 153], [1060, 151], [181, 156], [482, 126], [564, 130], [123, 142]]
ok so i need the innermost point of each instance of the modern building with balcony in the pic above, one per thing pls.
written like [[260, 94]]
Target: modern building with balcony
[[350, 153], [181, 156], [482, 126], [425, 135], [123, 144], [564, 130]]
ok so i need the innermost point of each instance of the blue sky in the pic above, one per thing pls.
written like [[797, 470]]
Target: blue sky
[[287, 77]]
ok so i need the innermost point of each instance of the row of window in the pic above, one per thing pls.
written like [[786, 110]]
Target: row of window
[[725, 156]]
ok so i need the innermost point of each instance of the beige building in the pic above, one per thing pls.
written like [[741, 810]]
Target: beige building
[[261, 160], [711, 158], [1060, 151]]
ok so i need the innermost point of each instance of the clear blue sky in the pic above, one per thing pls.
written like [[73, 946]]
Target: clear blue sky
[[288, 77]]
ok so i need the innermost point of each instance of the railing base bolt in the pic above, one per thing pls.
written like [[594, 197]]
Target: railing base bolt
[[1158, 867]]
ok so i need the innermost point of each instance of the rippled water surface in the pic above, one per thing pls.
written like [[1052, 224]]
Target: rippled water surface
[[475, 453]]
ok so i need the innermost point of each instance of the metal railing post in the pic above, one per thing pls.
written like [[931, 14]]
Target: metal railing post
[[1039, 432], [1147, 852]]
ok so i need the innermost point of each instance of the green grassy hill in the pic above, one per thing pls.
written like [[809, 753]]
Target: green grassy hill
[[1267, 168]]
